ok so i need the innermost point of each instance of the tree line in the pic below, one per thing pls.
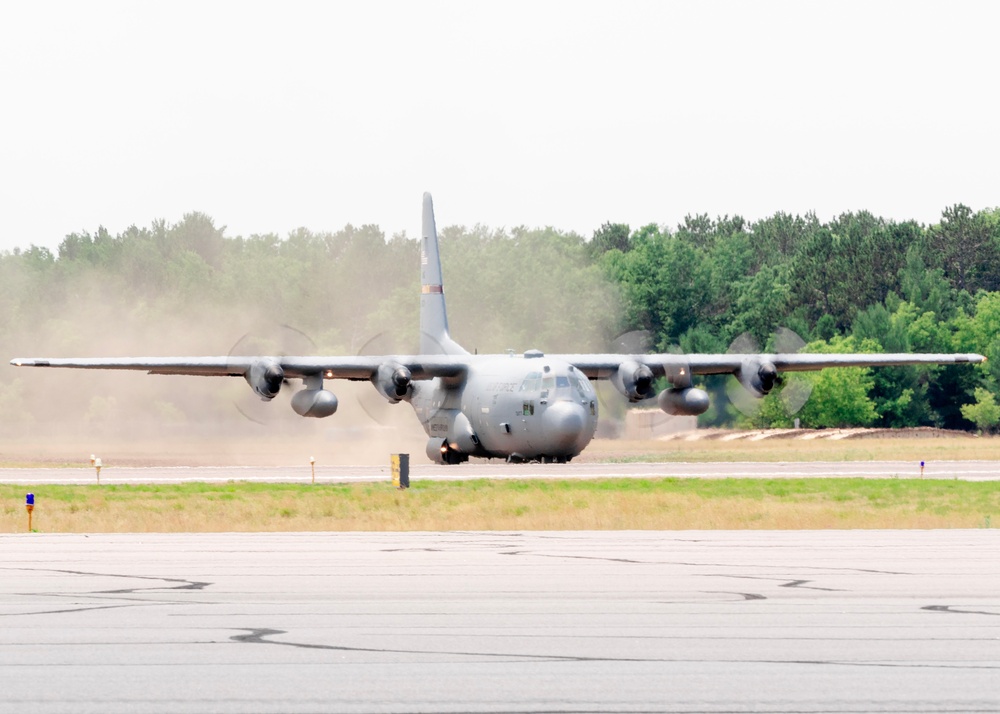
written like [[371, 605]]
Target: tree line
[[855, 283]]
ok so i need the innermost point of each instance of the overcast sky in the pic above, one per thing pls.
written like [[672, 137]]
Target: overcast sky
[[271, 116]]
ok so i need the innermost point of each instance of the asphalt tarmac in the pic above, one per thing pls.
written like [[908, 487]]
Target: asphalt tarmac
[[834, 621], [963, 470]]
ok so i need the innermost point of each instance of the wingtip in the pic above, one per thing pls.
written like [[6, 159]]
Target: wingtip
[[22, 362]]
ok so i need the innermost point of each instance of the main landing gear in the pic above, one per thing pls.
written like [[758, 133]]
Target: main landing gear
[[542, 459]]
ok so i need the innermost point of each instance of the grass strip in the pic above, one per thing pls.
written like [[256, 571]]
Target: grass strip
[[599, 504]]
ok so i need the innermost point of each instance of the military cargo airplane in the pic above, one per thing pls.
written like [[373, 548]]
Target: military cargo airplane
[[530, 407]]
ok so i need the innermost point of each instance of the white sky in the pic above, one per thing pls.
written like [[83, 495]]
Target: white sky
[[271, 116]]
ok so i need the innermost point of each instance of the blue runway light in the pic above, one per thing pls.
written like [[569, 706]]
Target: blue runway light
[[29, 506]]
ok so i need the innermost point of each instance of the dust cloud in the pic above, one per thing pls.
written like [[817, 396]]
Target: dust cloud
[[351, 292], [131, 417]]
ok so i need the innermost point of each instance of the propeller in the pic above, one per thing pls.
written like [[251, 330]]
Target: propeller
[[638, 342], [271, 340], [634, 342], [677, 372], [372, 403], [793, 392]]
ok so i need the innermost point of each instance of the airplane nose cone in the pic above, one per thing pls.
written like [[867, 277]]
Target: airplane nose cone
[[563, 424]]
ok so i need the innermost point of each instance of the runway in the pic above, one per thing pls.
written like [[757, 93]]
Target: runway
[[834, 621], [962, 470]]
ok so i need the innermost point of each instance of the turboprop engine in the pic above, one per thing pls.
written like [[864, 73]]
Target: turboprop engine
[[265, 377], [455, 449], [634, 380], [392, 380], [440, 452], [757, 377]]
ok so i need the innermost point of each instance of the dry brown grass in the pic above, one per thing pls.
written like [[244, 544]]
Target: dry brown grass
[[661, 504], [952, 448]]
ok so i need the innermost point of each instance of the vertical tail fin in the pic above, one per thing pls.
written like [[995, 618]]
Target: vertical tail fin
[[434, 338]]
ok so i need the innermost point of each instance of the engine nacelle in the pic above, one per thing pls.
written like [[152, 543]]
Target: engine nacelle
[[757, 377], [684, 402], [317, 403], [436, 450], [440, 452], [392, 380], [461, 436], [265, 377], [634, 380]]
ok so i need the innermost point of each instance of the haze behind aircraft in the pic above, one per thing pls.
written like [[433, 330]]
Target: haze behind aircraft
[[518, 407]]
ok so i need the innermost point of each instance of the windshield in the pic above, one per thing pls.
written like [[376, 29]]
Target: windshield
[[565, 386], [582, 386], [532, 382]]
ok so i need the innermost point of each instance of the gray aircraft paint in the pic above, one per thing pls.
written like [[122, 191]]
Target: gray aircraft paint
[[495, 410], [434, 337], [519, 407]]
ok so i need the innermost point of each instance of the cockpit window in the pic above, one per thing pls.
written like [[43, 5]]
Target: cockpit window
[[551, 384], [582, 386], [532, 382]]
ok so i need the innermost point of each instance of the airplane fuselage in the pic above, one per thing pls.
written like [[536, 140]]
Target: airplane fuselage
[[513, 407]]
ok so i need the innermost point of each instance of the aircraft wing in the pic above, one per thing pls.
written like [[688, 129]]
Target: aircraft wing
[[595, 366], [604, 366], [797, 362], [357, 368]]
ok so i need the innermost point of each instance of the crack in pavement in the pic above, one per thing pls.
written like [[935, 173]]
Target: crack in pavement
[[98, 594], [185, 584], [587, 557], [782, 583], [686, 564], [258, 635], [803, 584], [67, 610], [745, 596], [951, 610]]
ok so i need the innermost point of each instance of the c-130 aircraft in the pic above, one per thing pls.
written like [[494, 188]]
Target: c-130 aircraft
[[531, 407]]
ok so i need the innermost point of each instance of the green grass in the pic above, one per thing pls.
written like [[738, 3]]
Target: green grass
[[481, 504]]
